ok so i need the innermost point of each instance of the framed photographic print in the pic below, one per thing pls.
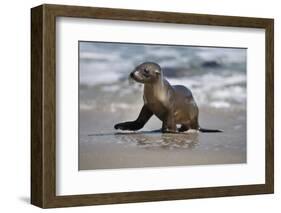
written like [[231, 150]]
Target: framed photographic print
[[136, 106]]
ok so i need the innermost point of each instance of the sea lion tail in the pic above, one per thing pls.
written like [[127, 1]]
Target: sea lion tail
[[209, 130]]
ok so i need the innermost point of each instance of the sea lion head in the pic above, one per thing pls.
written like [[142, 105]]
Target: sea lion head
[[147, 72]]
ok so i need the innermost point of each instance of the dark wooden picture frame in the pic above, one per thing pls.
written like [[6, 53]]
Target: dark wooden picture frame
[[43, 105]]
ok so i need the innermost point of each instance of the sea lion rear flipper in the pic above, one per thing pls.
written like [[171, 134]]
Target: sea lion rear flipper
[[209, 130]]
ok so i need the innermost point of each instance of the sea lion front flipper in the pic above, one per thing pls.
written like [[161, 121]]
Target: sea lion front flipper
[[144, 116]]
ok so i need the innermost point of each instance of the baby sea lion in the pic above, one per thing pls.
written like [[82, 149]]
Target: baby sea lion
[[171, 104]]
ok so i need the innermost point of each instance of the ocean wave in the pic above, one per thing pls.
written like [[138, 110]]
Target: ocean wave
[[216, 76], [112, 107], [225, 55], [110, 62]]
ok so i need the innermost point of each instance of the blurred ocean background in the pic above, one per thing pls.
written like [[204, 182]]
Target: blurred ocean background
[[215, 75]]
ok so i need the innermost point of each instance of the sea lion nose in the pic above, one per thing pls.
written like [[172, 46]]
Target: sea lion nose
[[132, 74]]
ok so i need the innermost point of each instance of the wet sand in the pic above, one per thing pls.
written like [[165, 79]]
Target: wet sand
[[102, 147]]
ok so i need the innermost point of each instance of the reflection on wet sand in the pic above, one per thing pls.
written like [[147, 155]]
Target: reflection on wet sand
[[154, 139], [164, 141]]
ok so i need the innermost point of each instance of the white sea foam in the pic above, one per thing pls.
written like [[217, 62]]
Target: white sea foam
[[116, 106], [85, 106], [216, 90], [97, 56], [113, 107], [220, 104], [110, 88], [95, 77]]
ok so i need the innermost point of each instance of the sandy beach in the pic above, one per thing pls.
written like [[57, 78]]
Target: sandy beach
[[101, 147]]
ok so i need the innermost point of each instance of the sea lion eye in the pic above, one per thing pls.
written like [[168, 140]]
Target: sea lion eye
[[146, 70]]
